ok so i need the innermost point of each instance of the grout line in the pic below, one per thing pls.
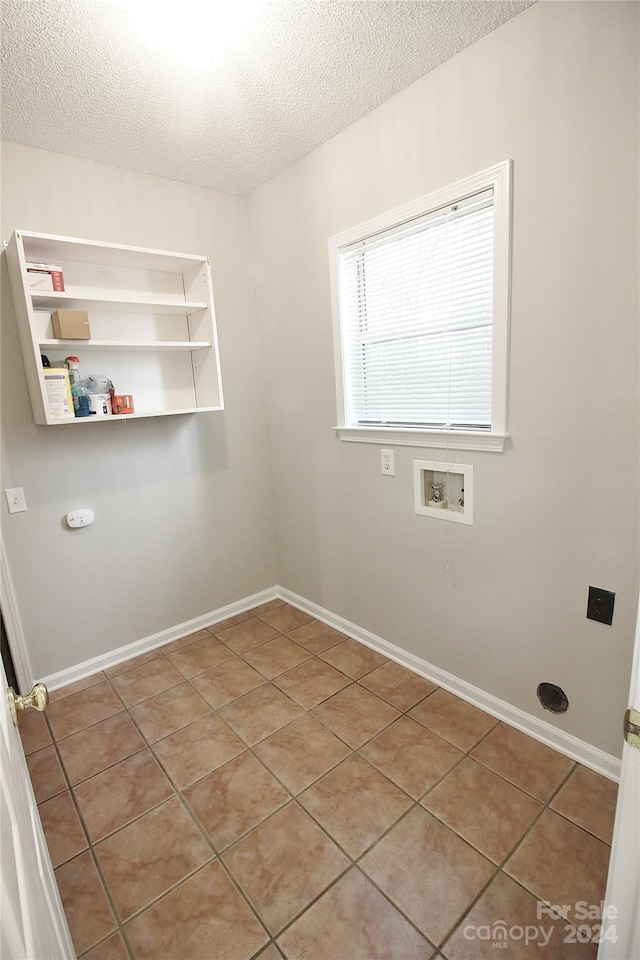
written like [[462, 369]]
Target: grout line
[[105, 887], [108, 766], [543, 809], [63, 771], [174, 886], [127, 945], [315, 899]]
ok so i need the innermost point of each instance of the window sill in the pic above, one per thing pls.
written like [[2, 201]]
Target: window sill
[[442, 439]]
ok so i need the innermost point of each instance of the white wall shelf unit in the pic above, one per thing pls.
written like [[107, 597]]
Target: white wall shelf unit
[[151, 317]]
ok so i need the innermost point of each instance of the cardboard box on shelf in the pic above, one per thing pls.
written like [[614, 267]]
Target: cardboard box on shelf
[[44, 277], [70, 325]]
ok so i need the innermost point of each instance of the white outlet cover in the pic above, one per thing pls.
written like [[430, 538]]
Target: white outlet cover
[[387, 465]]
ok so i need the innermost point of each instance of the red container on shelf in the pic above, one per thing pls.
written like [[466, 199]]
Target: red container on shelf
[[122, 403]]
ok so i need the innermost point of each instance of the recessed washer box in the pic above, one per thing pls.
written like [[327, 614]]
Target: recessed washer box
[[443, 491]]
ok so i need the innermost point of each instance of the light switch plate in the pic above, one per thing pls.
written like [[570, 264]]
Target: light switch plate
[[15, 499]]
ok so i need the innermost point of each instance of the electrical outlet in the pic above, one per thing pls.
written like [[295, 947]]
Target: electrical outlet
[[387, 466], [15, 499], [600, 605]]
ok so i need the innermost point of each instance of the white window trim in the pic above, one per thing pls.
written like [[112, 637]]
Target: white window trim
[[499, 178]]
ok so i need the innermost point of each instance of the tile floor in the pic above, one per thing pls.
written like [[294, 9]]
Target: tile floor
[[270, 788]]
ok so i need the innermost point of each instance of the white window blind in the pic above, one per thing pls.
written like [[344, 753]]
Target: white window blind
[[416, 312]]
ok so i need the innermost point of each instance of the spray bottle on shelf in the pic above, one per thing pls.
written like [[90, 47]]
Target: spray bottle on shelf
[[78, 392]]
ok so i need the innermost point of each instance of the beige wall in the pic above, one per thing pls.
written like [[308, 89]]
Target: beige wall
[[501, 604], [183, 504]]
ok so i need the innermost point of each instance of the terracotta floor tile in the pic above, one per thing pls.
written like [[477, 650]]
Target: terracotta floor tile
[[428, 872], [165, 713], [275, 656], [265, 607], [149, 856], [272, 863], [221, 625], [62, 692], [184, 641], [561, 863], [483, 808], [411, 756], [197, 749], [260, 713], [94, 749], [355, 715], [311, 682], [300, 753], [353, 658], [285, 617], [200, 656], [111, 949], [588, 799], [271, 953], [247, 635], [118, 795], [202, 919], [454, 719], [47, 778], [78, 711], [85, 903], [145, 681], [506, 909], [133, 662], [62, 828], [227, 682], [34, 732], [316, 636], [353, 921], [524, 761], [399, 686], [234, 799], [355, 804]]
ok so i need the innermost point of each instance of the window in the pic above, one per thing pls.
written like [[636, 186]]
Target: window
[[421, 301]]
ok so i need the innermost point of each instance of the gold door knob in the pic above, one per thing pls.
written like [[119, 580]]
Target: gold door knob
[[38, 699]]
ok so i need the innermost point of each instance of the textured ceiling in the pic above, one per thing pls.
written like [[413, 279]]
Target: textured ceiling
[[80, 77]]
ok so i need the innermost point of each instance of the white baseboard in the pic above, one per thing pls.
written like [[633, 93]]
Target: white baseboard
[[565, 743], [113, 657]]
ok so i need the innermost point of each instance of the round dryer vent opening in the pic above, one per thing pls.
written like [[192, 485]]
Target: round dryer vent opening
[[552, 697]]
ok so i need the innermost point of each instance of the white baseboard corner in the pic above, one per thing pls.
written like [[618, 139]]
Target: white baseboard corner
[[565, 743], [86, 669]]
